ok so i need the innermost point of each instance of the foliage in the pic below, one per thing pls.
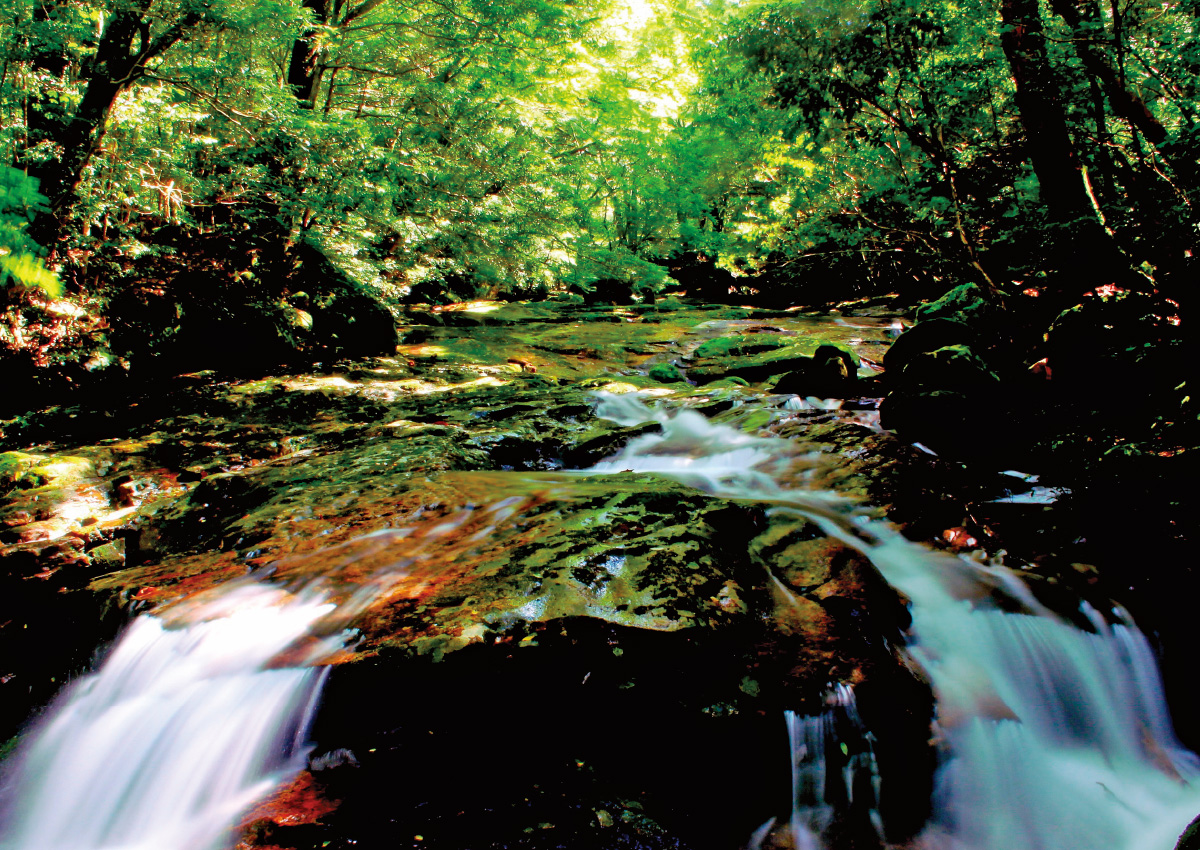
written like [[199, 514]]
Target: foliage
[[447, 149], [19, 261]]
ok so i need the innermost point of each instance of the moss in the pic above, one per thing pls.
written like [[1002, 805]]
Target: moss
[[966, 302], [9, 747], [29, 472], [739, 345], [666, 373], [13, 466]]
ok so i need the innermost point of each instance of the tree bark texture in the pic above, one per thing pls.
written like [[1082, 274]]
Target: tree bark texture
[[119, 61]]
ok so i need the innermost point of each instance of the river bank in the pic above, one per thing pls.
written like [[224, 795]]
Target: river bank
[[603, 661]]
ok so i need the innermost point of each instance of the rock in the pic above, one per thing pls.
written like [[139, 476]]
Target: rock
[[740, 345], [951, 367], [347, 321], [262, 308], [666, 373], [928, 335], [1190, 839], [832, 373], [629, 620], [965, 303], [1116, 345], [953, 423]]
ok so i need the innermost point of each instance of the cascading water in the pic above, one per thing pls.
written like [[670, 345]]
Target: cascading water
[[203, 709], [833, 772], [187, 723], [1054, 738]]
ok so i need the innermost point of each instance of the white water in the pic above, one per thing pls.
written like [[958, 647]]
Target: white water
[[817, 789], [1053, 738], [203, 709], [185, 725]]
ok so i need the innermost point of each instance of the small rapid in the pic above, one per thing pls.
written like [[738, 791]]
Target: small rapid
[[195, 714], [1052, 737]]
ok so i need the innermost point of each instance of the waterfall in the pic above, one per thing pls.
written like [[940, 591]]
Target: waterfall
[[1054, 738], [203, 708], [193, 717]]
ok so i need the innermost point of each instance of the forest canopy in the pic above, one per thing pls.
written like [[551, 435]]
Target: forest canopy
[[798, 151]]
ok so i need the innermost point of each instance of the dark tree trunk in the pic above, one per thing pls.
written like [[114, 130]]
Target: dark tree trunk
[[119, 61], [304, 69], [1039, 102], [1082, 250]]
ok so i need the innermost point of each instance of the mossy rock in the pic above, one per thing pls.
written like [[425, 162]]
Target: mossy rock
[[666, 373], [951, 367], [755, 367], [1190, 839], [739, 345], [13, 466], [929, 335], [964, 303], [29, 471], [1124, 342]]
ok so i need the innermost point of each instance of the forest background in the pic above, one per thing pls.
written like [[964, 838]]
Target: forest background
[[245, 183]]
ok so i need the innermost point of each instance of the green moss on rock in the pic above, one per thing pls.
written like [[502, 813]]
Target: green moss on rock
[[666, 373]]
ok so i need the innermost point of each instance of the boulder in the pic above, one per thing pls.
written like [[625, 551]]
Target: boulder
[[964, 303], [952, 423], [667, 373], [951, 367], [832, 373], [1119, 344], [929, 335], [347, 320]]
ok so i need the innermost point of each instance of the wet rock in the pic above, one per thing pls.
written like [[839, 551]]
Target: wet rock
[[667, 373], [629, 622], [1190, 839], [965, 303], [754, 368], [832, 373], [929, 335], [740, 345]]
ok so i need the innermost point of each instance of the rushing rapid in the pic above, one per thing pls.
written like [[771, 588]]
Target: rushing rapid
[[1052, 737], [186, 724]]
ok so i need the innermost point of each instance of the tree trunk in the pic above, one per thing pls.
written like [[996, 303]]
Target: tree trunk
[[117, 64], [304, 70], [1082, 251], [1039, 102]]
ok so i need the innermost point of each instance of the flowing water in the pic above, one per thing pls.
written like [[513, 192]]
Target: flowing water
[[1053, 738], [833, 768], [186, 724]]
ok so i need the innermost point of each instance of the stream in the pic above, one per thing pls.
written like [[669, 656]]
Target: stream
[[1051, 728]]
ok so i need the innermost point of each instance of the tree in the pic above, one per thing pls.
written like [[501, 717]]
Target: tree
[[62, 140]]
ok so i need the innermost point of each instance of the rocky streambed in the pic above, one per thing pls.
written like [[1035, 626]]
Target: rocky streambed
[[538, 658]]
